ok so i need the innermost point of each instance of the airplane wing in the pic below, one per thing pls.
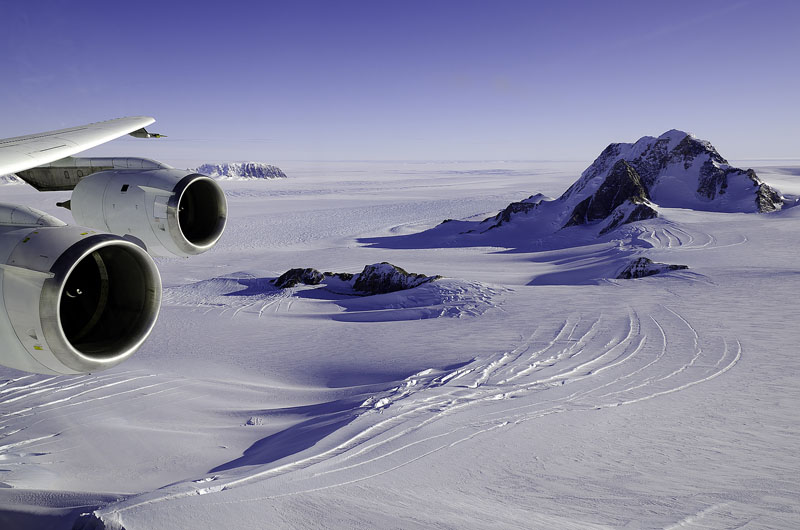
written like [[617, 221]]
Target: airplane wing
[[82, 298], [26, 152]]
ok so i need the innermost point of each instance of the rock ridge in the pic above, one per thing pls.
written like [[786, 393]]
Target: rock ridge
[[378, 278], [241, 171]]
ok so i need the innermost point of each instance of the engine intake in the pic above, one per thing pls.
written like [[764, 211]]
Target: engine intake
[[73, 300], [105, 291], [197, 213], [171, 212]]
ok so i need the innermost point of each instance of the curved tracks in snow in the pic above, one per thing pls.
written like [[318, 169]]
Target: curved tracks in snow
[[231, 295], [582, 363], [35, 411], [682, 237], [574, 363], [585, 363]]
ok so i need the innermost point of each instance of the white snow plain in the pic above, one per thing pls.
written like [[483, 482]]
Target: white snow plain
[[527, 389]]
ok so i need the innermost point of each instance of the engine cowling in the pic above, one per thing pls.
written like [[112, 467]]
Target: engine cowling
[[172, 212], [72, 300]]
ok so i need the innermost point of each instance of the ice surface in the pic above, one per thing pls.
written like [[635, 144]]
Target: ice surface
[[526, 389]]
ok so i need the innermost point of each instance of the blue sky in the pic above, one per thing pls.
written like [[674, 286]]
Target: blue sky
[[407, 80]]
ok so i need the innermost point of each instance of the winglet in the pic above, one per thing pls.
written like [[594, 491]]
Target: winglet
[[142, 133]]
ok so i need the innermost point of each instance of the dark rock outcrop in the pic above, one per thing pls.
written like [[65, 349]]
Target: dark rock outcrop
[[620, 186], [293, 277], [523, 206], [344, 276], [641, 267], [767, 198], [384, 277], [378, 278], [632, 213]]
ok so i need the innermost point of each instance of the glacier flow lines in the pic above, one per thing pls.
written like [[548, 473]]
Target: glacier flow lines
[[582, 363]]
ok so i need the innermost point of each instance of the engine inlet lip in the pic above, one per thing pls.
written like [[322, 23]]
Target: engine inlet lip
[[173, 217], [53, 289]]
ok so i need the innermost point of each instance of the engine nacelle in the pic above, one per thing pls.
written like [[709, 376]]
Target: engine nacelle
[[72, 300], [172, 212]]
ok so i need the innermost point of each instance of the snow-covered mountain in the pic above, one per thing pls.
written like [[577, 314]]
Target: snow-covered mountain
[[628, 181], [241, 171], [626, 184], [679, 170]]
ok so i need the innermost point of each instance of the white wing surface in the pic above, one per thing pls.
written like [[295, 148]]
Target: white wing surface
[[25, 152]]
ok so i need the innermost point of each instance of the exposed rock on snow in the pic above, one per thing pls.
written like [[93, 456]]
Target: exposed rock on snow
[[617, 195], [641, 267], [292, 277], [768, 199], [621, 186], [343, 276], [523, 206], [396, 295], [378, 278], [241, 171], [384, 277], [629, 212]]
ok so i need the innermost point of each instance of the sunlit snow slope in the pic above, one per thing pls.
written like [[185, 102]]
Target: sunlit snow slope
[[528, 388]]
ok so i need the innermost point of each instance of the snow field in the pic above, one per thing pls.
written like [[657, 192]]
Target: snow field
[[482, 400]]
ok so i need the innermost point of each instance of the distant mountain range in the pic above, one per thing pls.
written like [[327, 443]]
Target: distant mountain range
[[241, 171], [224, 171]]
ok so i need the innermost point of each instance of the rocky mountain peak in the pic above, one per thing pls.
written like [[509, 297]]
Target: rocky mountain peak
[[680, 170], [622, 184], [690, 148]]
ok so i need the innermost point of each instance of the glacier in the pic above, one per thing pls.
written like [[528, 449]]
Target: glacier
[[529, 387]]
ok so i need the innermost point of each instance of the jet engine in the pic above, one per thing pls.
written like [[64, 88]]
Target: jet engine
[[171, 212], [72, 300]]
